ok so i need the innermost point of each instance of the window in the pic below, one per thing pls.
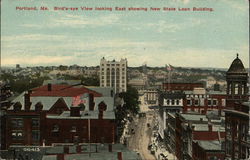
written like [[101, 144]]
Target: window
[[189, 102], [55, 128], [223, 102], [35, 135], [177, 101], [214, 102], [17, 122], [196, 102], [35, 122], [17, 135], [236, 89], [73, 129], [209, 102], [172, 102]]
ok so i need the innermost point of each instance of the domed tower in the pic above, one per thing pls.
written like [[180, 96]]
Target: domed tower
[[237, 78]]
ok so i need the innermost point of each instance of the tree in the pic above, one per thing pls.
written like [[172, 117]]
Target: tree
[[131, 100]]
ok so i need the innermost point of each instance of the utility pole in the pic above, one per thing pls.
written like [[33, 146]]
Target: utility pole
[[89, 137]]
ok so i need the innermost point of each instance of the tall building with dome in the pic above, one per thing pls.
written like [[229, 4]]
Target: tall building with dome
[[237, 140]]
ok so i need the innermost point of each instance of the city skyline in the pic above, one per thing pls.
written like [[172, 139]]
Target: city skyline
[[190, 39]]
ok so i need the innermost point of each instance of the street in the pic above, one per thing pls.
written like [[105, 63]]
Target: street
[[140, 140]]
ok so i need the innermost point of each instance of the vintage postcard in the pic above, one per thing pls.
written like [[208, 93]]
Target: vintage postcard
[[124, 79]]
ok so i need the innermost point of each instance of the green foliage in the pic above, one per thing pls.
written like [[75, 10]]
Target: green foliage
[[91, 81], [131, 99], [22, 83]]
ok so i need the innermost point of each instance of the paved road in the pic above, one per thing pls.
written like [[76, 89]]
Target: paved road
[[140, 140]]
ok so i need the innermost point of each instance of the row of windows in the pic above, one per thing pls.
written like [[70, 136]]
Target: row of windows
[[197, 96], [19, 135], [238, 89], [19, 123], [117, 69], [56, 128], [200, 102], [173, 102], [114, 65]]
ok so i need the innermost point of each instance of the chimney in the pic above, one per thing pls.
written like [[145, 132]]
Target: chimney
[[17, 106], [91, 102], [60, 157], [49, 87], [110, 147], [119, 155], [75, 111], [210, 126], [39, 107], [100, 115], [27, 102]]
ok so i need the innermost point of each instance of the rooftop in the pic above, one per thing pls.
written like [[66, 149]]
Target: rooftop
[[194, 117], [210, 145], [83, 115], [237, 66], [62, 91]]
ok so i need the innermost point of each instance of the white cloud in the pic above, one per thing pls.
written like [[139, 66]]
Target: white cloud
[[32, 37], [34, 60], [82, 21]]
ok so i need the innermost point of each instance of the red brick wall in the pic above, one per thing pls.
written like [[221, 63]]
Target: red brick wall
[[99, 128], [182, 86], [207, 135]]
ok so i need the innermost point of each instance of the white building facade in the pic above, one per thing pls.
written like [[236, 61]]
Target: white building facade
[[114, 74]]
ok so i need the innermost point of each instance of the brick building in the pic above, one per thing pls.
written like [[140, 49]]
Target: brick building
[[208, 150], [197, 98], [196, 127], [169, 102], [181, 86], [60, 114], [200, 100], [237, 144]]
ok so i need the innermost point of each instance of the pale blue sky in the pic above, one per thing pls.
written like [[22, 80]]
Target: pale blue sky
[[188, 39]]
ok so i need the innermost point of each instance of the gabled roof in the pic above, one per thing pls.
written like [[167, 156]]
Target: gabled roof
[[62, 91], [47, 102]]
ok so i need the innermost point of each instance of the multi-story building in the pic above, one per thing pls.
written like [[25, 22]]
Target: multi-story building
[[237, 144], [169, 102], [60, 114], [193, 128], [181, 86], [114, 74], [200, 100]]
